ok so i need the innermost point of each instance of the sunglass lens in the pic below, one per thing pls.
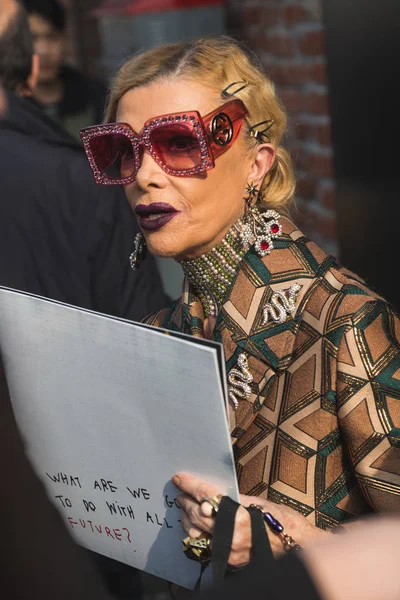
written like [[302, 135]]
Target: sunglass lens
[[177, 146], [114, 155]]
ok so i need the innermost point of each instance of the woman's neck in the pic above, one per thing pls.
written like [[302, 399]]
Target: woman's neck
[[212, 274]]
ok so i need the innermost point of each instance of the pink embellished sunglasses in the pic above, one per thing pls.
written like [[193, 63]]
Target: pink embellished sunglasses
[[182, 144]]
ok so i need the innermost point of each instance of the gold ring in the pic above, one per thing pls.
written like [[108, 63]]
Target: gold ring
[[198, 549], [214, 502]]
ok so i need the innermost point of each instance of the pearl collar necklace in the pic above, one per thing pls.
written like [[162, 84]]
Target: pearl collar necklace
[[212, 274]]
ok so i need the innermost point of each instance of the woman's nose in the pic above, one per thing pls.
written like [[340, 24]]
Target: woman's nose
[[150, 174]]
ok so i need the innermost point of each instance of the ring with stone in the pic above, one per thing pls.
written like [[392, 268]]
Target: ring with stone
[[214, 503]]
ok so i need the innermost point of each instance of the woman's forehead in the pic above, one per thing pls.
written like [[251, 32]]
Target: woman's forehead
[[164, 97]]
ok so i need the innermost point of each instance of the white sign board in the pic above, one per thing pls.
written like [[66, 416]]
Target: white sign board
[[110, 411]]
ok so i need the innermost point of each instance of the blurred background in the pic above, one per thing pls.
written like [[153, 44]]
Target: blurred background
[[333, 63]]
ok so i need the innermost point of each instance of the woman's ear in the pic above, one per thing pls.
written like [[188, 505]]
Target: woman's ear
[[263, 161]]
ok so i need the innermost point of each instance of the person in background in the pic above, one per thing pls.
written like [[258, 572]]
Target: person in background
[[61, 236], [66, 94]]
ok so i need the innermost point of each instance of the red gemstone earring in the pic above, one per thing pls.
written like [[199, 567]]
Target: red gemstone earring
[[261, 227], [267, 228]]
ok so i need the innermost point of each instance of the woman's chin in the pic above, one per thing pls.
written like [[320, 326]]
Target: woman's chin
[[162, 250]]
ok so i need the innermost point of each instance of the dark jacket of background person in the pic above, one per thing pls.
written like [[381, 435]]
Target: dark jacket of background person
[[61, 235]]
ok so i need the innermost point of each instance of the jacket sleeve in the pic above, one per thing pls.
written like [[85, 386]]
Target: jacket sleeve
[[368, 396]]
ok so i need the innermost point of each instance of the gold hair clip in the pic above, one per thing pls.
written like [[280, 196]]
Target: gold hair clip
[[227, 94], [259, 135]]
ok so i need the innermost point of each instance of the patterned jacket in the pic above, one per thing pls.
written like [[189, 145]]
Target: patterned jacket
[[321, 429]]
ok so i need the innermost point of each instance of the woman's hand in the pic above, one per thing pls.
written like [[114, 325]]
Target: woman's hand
[[197, 519]]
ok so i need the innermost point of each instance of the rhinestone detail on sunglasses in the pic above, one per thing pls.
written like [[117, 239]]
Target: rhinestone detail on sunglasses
[[124, 129], [196, 125]]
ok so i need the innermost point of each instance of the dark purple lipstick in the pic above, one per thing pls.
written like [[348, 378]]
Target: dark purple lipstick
[[154, 216]]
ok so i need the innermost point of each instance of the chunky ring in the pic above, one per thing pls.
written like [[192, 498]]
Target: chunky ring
[[198, 549], [214, 502]]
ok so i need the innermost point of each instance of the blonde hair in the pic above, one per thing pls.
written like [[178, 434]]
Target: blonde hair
[[217, 63]]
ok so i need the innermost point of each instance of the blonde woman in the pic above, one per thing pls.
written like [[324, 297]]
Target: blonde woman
[[194, 134]]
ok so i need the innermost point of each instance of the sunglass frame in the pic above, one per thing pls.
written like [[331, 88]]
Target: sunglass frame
[[209, 147]]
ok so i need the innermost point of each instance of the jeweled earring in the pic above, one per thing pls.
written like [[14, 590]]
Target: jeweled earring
[[139, 253], [261, 227]]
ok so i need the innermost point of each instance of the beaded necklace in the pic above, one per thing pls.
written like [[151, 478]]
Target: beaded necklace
[[212, 274]]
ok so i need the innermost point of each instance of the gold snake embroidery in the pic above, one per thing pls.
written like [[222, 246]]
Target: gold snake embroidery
[[240, 381], [281, 305]]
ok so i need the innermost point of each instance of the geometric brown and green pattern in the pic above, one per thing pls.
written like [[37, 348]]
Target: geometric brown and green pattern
[[321, 429]]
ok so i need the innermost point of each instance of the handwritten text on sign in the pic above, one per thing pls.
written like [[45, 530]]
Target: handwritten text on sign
[[97, 489]]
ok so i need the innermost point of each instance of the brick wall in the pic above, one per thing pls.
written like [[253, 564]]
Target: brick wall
[[288, 37]]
